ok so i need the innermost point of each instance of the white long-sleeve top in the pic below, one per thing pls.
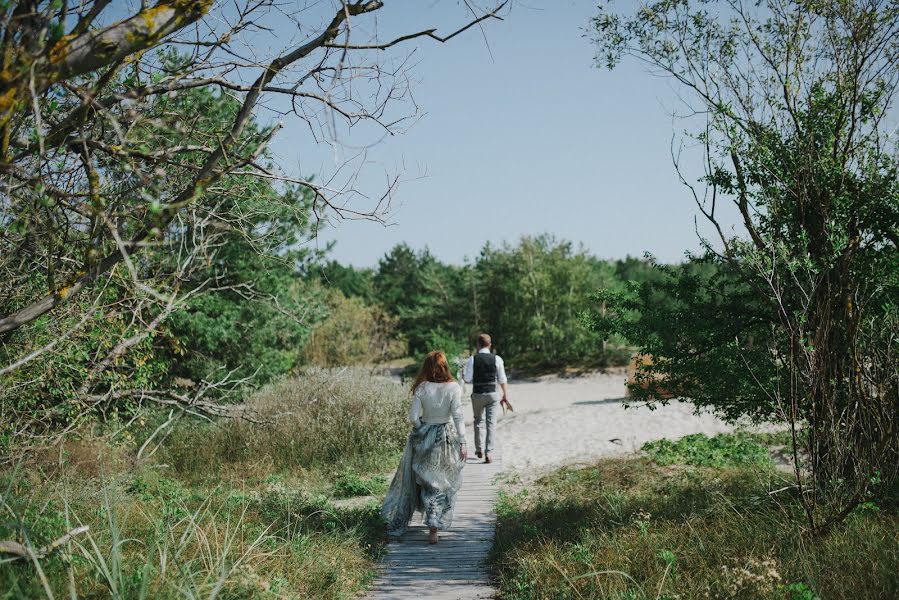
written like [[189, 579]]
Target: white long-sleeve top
[[435, 403]]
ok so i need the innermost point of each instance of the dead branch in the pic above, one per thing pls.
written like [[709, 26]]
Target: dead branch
[[19, 550]]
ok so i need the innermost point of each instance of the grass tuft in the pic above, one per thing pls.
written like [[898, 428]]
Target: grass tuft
[[323, 419]]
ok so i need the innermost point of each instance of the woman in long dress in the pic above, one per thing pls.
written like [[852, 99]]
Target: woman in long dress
[[430, 472]]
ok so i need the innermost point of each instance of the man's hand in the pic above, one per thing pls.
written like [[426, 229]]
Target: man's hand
[[463, 452]]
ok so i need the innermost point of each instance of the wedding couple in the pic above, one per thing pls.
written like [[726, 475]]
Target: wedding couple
[[430, 472]]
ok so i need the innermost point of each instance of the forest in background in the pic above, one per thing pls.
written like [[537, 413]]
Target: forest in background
[[288, 309], [532, 296]]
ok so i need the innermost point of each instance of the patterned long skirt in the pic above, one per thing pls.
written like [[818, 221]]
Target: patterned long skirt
[[427, 480]]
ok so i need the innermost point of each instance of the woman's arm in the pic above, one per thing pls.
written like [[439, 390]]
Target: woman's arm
[[415, 409], [456, 412], [459, 421]]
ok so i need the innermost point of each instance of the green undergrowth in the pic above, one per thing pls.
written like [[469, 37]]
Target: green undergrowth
[[350, 484], [725, 450], [634, 528], [227, 510]]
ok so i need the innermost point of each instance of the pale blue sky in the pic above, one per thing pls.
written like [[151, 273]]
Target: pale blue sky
[[535, 139], [524, 138]]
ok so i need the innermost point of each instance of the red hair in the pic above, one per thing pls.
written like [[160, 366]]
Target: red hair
[[434, 368]]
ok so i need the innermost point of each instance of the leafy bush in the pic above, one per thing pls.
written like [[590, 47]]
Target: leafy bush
[[724, 450], [232, 269], [800, 318], [354, 333], [682, 308], [260, 336], [47, 391]]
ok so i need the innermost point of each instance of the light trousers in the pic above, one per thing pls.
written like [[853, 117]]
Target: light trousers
[[485, 404]]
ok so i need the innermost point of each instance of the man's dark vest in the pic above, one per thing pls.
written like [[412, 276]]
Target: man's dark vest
[[484, 379]]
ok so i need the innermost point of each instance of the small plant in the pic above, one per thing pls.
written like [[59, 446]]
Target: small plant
[[669, 557], [350, 484], [581, 554], [641, 520], [799, 591], [725, 450]]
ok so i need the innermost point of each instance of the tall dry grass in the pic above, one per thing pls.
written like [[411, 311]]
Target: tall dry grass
[[632, 529], [151, 537], [230, 509], [332, 418]]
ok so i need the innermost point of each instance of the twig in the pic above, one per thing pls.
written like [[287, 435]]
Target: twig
[[22, 551]]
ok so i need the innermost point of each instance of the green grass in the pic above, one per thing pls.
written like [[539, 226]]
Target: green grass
[[227, 510], [725, 450], [634, 529], [350, 484]]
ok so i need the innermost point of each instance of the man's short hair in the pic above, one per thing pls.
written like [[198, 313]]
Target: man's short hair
[[484, 340]]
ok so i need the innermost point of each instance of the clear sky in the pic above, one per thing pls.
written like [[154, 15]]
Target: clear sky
[[525, 137]]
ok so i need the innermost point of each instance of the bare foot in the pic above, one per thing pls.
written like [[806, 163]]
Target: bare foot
[[432, 535]]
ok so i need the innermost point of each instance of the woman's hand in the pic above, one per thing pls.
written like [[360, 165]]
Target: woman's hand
[[463, 452]]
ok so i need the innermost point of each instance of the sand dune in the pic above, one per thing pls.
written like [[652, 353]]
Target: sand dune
[[560, 421]]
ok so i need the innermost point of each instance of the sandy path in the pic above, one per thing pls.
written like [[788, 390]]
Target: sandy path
[[564, 421]]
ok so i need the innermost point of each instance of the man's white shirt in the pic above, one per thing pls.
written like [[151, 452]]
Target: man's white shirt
[[468, 369]]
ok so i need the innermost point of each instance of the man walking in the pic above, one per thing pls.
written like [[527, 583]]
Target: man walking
[[485, 371]]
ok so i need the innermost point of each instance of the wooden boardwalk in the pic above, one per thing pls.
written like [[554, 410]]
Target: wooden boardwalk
[[454, 568]]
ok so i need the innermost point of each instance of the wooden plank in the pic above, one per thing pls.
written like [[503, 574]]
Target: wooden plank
[[462, 565], [455, 567]]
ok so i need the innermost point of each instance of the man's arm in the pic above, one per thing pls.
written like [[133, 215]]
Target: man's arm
[[468, 370], [502, 380]]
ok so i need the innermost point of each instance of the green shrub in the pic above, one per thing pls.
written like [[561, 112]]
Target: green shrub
[[354, 333], [702, 451]]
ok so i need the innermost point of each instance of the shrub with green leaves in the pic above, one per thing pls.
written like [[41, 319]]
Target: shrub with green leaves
[[219, 293], [799, 317], [350, 484], [354, 333]]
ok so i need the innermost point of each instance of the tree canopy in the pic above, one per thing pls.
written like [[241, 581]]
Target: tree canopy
[[149, 243], [793, 103]]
